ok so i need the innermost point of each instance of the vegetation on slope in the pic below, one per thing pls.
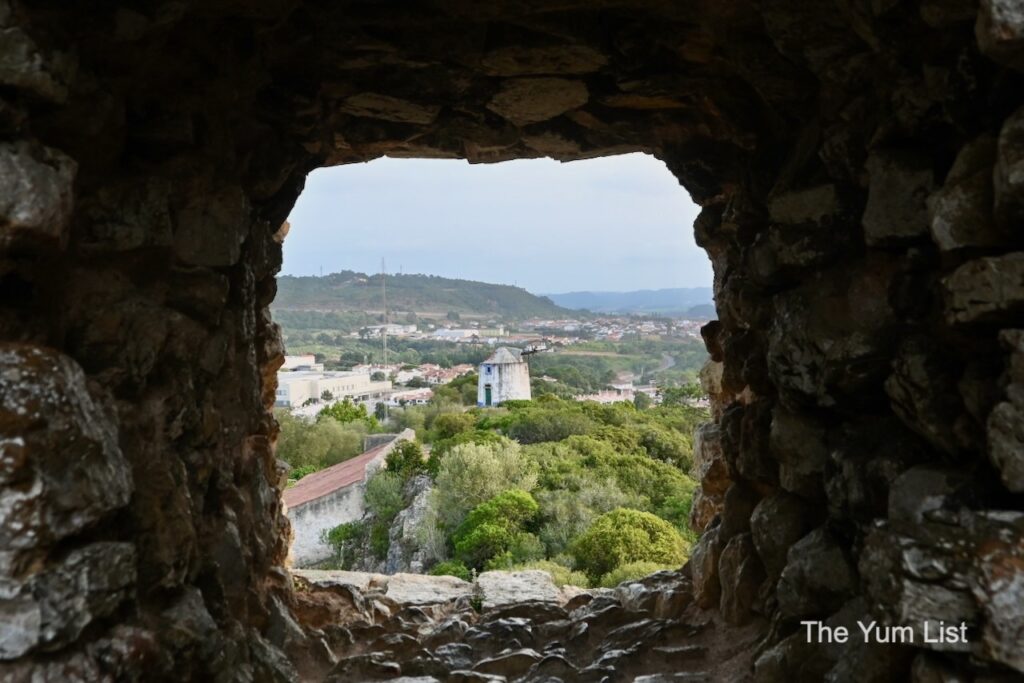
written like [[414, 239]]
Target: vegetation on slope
[[352, 291], [593, 493]]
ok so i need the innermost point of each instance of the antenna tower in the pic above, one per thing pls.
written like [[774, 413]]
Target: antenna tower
[[384, 330]]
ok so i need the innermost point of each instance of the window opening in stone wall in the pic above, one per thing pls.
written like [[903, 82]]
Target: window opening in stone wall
[[492, 368]]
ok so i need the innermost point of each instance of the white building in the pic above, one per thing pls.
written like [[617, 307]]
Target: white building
[[322, 500], [296, 387], [504, 376]]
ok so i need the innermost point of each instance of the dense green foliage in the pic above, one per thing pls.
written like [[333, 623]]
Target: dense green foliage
[[496, 527], [422, 294], [406, 460], [624, 536], [451, 568], [470, 474], [632, 571], [310, 446], [504, 503], [347, 411]]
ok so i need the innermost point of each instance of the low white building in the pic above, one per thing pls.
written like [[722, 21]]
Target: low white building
[[504, 376], [335, 495], [297, 387]]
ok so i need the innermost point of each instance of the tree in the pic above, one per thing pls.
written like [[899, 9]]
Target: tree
[[417, 383], [316, 445], [406, 460], [377, 376], [681, 396], [642, 401], [495, 526], [472, 473], [447, 425], [347, 411], [453, 315], [624, 536], [326, 395], [380, 411]]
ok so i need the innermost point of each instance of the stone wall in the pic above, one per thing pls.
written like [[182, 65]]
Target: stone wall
[[859, 165]]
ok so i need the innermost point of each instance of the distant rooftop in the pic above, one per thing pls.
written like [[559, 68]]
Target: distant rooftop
[[330, 479]]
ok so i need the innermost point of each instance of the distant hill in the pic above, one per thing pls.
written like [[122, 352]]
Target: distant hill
[[423, 294], [691, 301]]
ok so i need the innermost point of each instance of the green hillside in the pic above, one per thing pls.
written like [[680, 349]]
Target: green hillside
[[425, 295]]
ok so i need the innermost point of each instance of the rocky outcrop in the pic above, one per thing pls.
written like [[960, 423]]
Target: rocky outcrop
[[859, 171], [404, 537]]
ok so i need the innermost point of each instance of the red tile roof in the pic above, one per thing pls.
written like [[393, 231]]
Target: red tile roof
[[330, 479]]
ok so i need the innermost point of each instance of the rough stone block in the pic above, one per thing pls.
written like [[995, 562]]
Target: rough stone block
[[998, 587], [522, 60], [741, 574], [960, 211], [530, 100], [778, 521], [798, 443], [830, 338], [35, 192], [1000, 32], [814, 205], [899, 183], [61, 468], [818, 577], [1006, 438], [703, 564], [1008, 177], [209, 231], [923, 392], [24, 66], [387, 108], [987, 289], [51, 608]]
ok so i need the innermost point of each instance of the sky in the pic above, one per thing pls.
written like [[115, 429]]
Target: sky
[[610, 224]]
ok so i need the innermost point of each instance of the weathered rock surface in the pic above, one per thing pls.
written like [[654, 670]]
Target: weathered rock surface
[[639, 630]]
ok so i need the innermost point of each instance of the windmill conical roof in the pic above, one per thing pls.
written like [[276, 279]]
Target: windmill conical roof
[[504, 355]]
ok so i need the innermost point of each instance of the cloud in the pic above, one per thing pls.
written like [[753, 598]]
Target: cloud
[[613, 223]]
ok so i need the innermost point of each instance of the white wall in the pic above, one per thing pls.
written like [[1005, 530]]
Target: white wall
[[313, 518], [509, 382], [344, 505]]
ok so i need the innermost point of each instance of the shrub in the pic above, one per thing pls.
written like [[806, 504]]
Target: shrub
[[524, 547], [624, 536], [450, 424], [668, 446], [297, 473], [310, 446], [569, 511], [632, 571], [340, 538], [497, 527], [471, 474], [406, 460], [560, 574], [451, 568], [533, 425], [441, 447], [347, 411], [384, 495], [380, 538]]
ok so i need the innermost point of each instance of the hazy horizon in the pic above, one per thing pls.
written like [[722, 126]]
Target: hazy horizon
[[611, 224]]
